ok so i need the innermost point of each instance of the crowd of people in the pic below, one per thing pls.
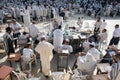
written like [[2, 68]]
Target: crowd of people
[[34, 41], [41, 9]]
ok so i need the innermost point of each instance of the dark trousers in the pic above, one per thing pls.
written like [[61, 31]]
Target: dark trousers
[[114, 40], [15, 35]]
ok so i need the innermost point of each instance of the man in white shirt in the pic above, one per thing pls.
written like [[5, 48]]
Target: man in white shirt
[[116, 35], [67, 46], [28, 54], [16, 27], [57, 37], [93, 51], [103, 25], [33, 31], [44, 48], [102, 36]]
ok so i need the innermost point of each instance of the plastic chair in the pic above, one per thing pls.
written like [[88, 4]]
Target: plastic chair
[[20, 75], [3, 59], [29, 61], [23, 76]]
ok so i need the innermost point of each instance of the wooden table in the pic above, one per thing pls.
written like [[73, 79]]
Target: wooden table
[[103, 68], [16, 58], [60, 55], [5, 72], [100, 77]]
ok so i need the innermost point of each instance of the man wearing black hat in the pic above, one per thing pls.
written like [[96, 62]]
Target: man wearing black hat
[[8, 41]]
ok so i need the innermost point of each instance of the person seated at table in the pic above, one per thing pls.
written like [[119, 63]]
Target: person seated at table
[[67, 30], [66, 45], [83, 61], [24, 38], [93, 51], [28, 54], [115, 71]]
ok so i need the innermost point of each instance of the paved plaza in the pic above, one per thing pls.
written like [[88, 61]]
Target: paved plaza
[[36, 70]]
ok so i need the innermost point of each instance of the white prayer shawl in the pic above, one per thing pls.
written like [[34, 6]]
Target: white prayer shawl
[[41, 11], [95, 53], [33, 31], [33, 10], [1, 14], [98, 24], [86, 46], [68, 47], [84, 61], [54, 13], [45, 50], [103, 36], [67, 14], [79, 23], [17, 12], [30, 10], [103, 25], [45, 11], [57, 38], [26, 18], [14, 12], [37, 12], [108, 10]]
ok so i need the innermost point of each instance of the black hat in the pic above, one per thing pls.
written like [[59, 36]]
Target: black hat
[[8, 29]]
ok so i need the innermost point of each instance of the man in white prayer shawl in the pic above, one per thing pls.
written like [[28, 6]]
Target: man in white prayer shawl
[[33, 31], [37, 12], [103, 25], [83, 61], [26, 17], [93, 51], [41, 12], [57, 37], [44, 48]]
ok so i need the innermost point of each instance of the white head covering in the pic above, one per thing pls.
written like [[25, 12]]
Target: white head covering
[[92, 43]]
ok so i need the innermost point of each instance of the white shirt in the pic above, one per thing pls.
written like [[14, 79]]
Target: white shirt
[[95, 53], [84, 61], [45, 50], [33, 31], [103, 25], [57, 37], [27, 54], [116, 32], [68, 47], [103, 36], [15, 26]]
